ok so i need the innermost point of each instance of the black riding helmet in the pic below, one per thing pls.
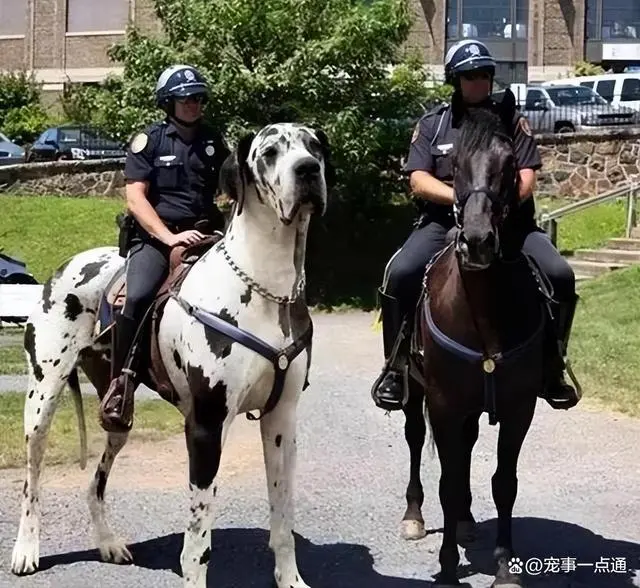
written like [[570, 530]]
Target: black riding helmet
[[179, 81], [467, 55]]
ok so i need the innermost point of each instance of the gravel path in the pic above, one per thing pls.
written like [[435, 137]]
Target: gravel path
[[579, 495]]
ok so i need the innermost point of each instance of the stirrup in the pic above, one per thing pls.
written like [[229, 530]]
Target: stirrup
[[567, 402], [387, 405]]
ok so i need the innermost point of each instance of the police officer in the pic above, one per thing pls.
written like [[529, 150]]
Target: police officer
[[171, 174], [470, 69]]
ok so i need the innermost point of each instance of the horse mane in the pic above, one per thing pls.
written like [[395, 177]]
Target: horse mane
[[478, 130]]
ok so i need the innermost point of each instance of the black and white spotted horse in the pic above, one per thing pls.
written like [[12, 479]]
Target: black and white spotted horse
[[253, 279]]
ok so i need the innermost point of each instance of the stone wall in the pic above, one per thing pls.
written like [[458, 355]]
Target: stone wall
[[65, 178], [579, 165], [575, 165]]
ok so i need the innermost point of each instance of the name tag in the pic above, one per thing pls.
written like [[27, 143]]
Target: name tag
[[166, 157], [445, 148]]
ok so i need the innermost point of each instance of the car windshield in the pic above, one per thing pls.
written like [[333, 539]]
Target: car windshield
[[574, 96], [78, 135], [4, 139]]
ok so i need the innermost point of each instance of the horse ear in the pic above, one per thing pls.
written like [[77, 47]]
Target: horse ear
[[507, 108], [329, 169], [235, 173]]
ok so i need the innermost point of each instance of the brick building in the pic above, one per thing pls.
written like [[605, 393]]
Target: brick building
[[66, 40], [533, 40]]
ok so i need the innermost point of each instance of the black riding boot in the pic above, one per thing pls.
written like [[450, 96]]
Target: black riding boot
[[389, 390], [116, 408], [559, 393]]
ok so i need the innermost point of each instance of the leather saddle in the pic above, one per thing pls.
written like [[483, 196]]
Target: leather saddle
[[181, 260]]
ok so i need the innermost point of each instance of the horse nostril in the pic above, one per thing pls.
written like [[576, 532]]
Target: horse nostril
[[307, 167]]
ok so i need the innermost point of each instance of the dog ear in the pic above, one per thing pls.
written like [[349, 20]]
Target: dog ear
[[329, 169], [235, 173]]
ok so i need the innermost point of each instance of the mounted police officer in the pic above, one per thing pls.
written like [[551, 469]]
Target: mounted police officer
[[171, 174], [470, 69]]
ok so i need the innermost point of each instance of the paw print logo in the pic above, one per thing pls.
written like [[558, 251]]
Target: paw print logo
[[515, 565]]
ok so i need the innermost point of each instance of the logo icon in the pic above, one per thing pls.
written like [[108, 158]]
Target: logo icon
[[474, 50], [189, 75], [515, 565]]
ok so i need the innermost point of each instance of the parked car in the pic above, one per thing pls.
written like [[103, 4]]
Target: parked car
[[619, 89], [14, 271], [10, 153], [74, 142], [569, 108]]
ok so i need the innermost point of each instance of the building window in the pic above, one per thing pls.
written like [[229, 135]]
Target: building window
[[486, 19], [591, 26], [13, 17], [620, 19], [84, 16]]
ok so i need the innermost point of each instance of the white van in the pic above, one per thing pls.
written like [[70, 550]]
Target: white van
[[621, 89]]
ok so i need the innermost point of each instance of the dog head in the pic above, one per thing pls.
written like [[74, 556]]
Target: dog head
[[285, 166]]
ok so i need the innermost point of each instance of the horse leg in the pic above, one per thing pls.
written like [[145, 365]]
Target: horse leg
[[111, 547], [278, 430], [466, 530], [504, 485], [49, 367], [414, 432], [206, 428], [447, 433]]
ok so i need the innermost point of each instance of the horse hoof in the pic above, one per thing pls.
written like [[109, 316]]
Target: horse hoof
[[466, 532], [412, 530]]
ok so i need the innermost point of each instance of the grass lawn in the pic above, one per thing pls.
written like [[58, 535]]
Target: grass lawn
[[44, 231], [605, 345], [12, 360], [589, 228], [154, 420]]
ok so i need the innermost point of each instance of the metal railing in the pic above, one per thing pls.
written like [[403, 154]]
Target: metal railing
[[631, 191]]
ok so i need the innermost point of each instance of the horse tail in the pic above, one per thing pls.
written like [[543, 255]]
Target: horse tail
[[74, 385]]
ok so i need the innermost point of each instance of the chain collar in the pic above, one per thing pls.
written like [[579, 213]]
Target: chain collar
[[257, 287]]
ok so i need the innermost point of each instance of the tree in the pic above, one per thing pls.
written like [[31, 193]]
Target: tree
[[336, 64], [21, 114], [340, 65]]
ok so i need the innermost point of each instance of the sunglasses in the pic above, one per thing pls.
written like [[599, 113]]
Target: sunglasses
[[472, 76], [198, 99]]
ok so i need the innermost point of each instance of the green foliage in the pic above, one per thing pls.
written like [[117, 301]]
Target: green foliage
[[25, 123], [335, 64], [586, 68], [21, 115], [16, 90]]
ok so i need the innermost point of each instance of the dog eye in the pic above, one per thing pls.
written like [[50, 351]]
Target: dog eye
[[270, 152]]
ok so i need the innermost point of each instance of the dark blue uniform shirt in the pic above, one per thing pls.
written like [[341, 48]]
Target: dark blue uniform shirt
[[432, 146], [183, 177]]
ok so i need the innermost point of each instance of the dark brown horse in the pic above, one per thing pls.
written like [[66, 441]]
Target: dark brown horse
[[481, 328]]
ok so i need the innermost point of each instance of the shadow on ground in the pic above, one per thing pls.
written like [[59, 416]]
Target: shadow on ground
[[241, 557], [545, 539]]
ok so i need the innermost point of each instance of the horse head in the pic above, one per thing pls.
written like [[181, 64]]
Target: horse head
[[285, 167], [486, 183]]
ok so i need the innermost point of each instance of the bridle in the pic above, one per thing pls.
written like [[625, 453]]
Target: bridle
[[502, 201]]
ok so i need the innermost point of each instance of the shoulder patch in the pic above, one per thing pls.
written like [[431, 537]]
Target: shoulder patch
[[523, 123], [139, 142]]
